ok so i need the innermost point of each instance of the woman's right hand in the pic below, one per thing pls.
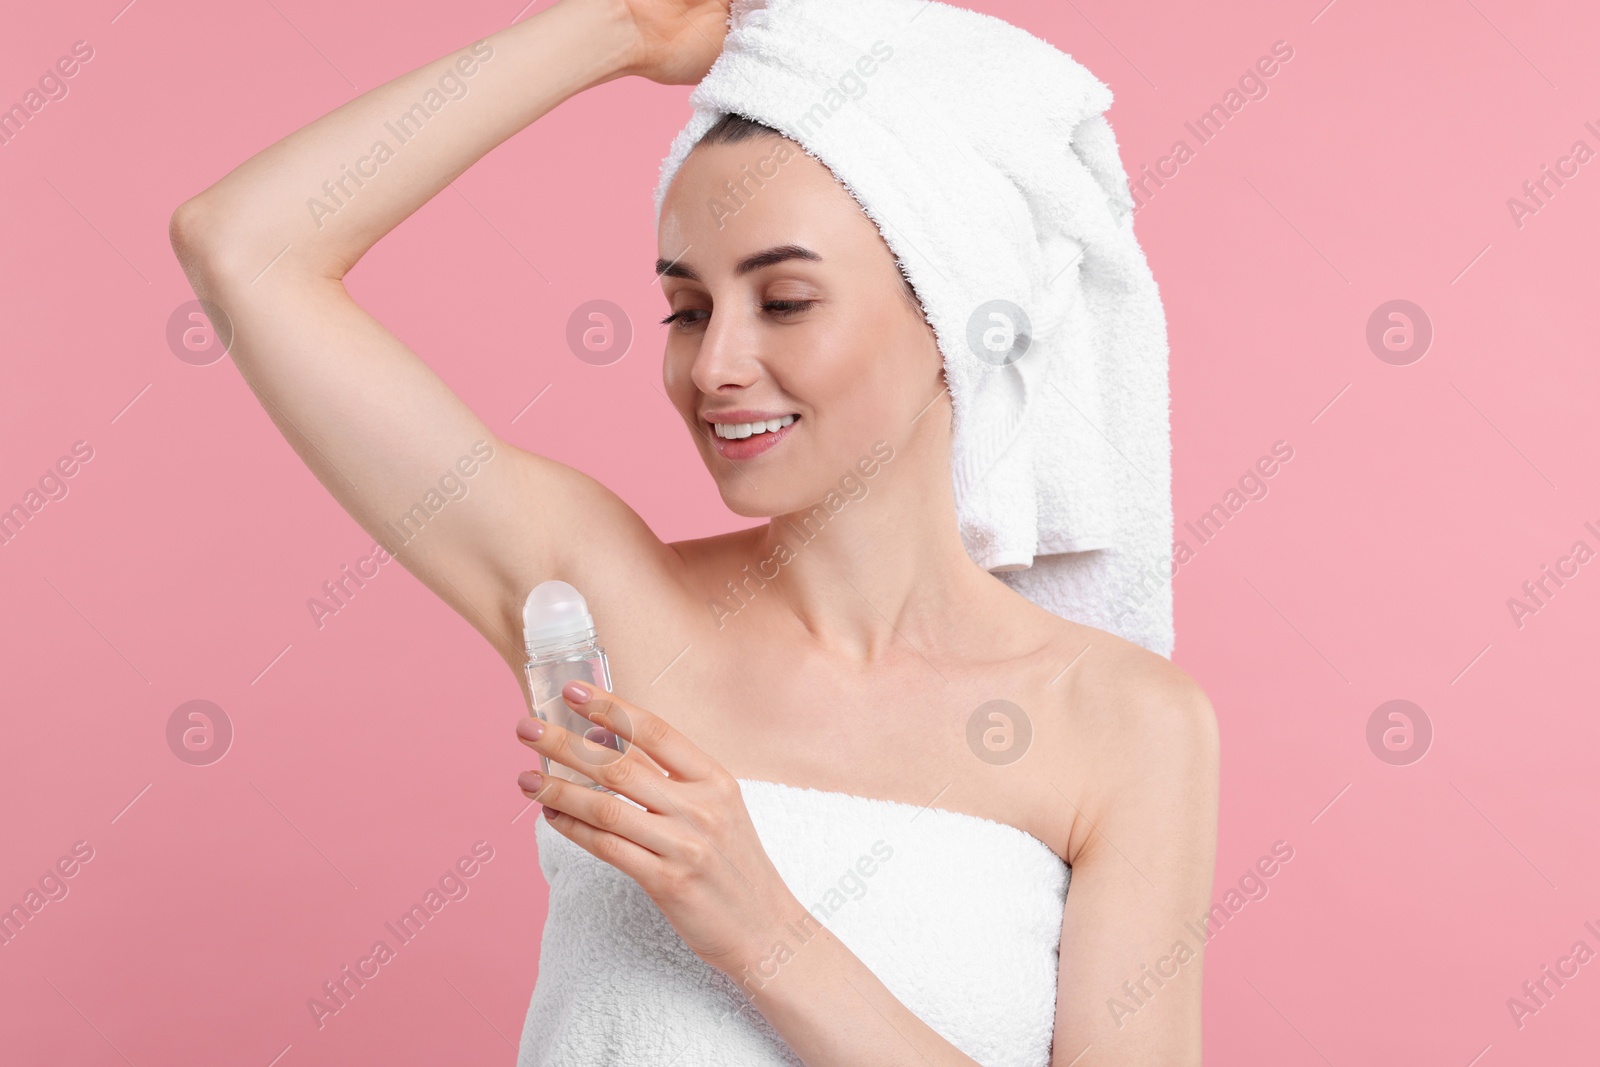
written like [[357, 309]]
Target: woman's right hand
[[677, 40]]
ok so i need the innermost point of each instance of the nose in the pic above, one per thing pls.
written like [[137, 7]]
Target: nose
[[726, 360]]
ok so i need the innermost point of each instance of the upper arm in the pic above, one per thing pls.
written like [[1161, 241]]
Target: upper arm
[[1133, 934], [477, 520]]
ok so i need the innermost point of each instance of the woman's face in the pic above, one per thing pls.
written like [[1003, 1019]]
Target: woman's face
[[788, 311]]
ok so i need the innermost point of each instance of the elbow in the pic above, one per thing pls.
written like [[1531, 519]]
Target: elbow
[[211, 245], [190, 225], [217, 245], [195, 234]]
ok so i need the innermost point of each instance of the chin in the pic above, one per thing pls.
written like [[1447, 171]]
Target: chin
[[739, 497], [786, 481]]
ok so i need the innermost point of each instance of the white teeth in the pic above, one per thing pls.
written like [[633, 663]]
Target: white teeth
[[735, 431]]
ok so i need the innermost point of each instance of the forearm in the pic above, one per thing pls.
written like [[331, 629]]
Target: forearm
[[833, 1011], [330, 190]]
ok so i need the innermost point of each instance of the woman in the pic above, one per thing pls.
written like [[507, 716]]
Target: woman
[[840, 685]]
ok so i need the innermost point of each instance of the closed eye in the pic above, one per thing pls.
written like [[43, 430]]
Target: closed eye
[[780, 308], [787, 307], [678, 316]]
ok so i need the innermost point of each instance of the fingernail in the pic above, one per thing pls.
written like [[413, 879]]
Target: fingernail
[[530, 780], [575, 692], [534, 730]]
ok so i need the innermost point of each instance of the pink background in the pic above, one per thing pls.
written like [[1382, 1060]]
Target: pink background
[[370, 754]]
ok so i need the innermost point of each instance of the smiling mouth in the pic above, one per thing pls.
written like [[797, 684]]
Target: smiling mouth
[[738, 431], [739, 441]]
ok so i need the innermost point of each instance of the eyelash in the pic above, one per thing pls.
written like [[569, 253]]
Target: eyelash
[[778, 307]]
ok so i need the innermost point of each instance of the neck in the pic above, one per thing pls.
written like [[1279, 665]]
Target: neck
[[869, 574]]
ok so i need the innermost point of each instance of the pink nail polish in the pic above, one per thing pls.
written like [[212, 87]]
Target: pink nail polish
[[534, 730], [575, 693]]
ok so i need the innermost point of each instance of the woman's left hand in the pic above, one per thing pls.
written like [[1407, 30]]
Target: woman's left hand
[[692, 847]]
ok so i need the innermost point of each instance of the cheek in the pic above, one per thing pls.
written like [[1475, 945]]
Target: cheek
[[837, 370], [859, 377], [891, 375], [676, 364]]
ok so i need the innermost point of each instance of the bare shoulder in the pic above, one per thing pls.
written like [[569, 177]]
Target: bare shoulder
[[1141, 700], [1140, 739]]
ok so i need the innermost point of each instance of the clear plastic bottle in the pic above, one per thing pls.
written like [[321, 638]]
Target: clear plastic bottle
[[558, 636]]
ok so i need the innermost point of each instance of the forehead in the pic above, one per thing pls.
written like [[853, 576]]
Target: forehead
[[729, 198]]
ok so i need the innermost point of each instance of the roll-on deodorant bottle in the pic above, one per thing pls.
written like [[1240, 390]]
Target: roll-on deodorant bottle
[[558, 635]]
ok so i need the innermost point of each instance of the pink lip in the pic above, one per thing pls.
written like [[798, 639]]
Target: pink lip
[[754, 445]]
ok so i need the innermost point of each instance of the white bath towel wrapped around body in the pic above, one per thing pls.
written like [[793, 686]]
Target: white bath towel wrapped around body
[[958, 916]]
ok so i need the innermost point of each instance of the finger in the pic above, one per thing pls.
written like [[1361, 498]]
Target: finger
[[659, 739], [585, 752], [637, 863], [603, 811], [630, 775]]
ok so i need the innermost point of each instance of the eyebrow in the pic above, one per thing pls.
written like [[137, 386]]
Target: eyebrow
[[671, 268]]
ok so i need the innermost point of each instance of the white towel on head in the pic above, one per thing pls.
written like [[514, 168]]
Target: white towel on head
[[983, 155]]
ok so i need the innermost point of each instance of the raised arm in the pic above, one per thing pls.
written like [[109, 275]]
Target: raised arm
[[373, 422]]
